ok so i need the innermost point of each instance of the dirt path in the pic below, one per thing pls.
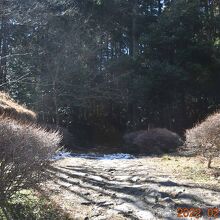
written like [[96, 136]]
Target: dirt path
[[144, 188]]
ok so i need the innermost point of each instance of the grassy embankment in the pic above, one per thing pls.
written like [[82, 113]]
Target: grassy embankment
[[29, 205]]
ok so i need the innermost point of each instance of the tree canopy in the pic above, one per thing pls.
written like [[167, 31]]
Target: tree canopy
[[103, 67]]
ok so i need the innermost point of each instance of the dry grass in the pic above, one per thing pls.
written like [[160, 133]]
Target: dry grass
[[193, 169], [10, 108]]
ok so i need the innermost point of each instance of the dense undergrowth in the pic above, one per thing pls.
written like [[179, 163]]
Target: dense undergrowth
[[29, 205]]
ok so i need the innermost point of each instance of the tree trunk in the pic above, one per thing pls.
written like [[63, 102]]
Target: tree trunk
[[134, 37], [55, 103], [159, 7], [4, 50]]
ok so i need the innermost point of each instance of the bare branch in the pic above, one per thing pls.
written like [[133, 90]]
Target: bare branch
[[15, 81], [14, 55]]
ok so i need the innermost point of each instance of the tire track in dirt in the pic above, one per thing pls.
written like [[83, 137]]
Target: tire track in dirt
[[141, 188]]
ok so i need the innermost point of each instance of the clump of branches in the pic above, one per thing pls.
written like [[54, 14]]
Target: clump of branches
[[157, 140], [205, 137], [25, 154]]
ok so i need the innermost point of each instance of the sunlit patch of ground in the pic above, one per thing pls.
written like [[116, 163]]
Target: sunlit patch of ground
[[30, 205], [140, 188]]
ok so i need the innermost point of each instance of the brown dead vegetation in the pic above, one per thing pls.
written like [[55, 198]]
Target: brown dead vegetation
[[157, 140], [9, 108], [205, 137], [25, 155], [26, 150]]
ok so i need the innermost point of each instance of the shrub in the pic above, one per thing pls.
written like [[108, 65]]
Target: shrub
[[68, 139], [205, 137], [155, 140], [129, 141], [25, 153]]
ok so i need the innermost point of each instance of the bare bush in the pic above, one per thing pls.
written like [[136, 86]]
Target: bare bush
[[129, 141], [205, 137], [155, 140], [68, 139], [25, 153]]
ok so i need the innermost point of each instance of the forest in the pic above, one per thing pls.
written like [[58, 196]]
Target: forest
[[134, 78], [108, 67]]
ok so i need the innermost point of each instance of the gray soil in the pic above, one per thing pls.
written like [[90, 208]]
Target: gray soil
[[143, 188]]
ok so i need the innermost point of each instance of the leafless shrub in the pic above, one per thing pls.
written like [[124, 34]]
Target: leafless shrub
[[155, 140], [25, 153], [68, 139], [130, 137], [205, 137]]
